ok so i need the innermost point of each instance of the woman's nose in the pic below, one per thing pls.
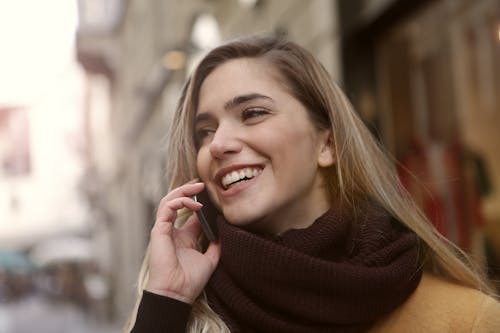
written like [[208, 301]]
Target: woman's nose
[[225, 142]]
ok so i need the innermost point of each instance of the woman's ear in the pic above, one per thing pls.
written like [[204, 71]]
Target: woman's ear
[[326, 153]]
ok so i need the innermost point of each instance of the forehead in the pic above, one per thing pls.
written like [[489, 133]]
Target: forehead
[[237, 77]]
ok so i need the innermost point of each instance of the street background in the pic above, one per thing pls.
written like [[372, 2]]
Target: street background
[[88, 87]]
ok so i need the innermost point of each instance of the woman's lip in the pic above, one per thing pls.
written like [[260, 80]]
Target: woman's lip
[[238, 187], [224, 171]]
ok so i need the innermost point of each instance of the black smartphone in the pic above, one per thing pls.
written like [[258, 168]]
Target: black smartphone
[[207, 215]]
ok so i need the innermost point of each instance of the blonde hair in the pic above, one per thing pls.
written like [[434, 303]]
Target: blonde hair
[[362, 169]]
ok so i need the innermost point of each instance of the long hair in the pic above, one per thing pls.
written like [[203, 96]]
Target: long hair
[[362, 169]]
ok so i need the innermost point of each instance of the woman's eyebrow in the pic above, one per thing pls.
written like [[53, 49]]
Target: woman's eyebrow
[[235, 101]]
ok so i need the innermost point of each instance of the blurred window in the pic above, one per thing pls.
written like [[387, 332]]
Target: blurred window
[[99, 15], [205, 33]]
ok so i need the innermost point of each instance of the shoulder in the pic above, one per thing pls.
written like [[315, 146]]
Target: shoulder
[[438, 305]]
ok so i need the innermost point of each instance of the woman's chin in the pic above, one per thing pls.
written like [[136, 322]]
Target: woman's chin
[[251, 222], [239, 220]]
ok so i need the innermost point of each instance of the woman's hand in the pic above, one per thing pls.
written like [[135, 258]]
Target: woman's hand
[[176, 268]]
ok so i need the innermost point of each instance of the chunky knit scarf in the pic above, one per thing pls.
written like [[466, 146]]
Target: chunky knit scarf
[[341, 274]]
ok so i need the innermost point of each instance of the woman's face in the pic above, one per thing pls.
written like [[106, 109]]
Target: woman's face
[[259, 153]]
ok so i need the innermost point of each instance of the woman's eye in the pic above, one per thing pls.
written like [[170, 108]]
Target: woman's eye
[[201, 135], [253, 113]]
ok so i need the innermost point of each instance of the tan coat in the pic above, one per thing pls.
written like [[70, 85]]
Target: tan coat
[[440, 306]]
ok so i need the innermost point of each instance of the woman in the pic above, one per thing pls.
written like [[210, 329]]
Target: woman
[[316, 233]]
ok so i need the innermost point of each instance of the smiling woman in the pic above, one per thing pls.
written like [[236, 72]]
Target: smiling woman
[[255, 124], [316, 234]]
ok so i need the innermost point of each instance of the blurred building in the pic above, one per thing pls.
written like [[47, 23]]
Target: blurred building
[[40, 164], [423, 75]]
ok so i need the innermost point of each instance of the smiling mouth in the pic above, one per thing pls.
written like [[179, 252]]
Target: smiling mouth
[[239, 176]]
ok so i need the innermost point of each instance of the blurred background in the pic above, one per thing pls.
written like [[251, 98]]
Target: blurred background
[[87, 89]]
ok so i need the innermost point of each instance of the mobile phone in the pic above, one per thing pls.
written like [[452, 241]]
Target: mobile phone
[[207, 215]]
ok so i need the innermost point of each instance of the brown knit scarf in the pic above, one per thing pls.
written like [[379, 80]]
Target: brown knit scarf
[[340, 274]]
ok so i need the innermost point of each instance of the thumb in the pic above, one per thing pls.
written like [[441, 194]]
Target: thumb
[[213, 253]]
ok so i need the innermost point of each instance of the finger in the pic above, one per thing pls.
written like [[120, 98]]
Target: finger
[[186, 190], [192, 227], [168, 210], [161, 229], [188, 234]]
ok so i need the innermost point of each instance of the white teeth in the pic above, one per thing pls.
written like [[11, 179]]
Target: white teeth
[[248, 173], [235, 176]]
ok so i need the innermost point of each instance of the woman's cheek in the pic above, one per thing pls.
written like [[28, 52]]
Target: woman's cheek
[[202, 164]]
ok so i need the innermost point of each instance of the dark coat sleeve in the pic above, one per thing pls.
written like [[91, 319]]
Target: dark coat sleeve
[[160, 314]]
